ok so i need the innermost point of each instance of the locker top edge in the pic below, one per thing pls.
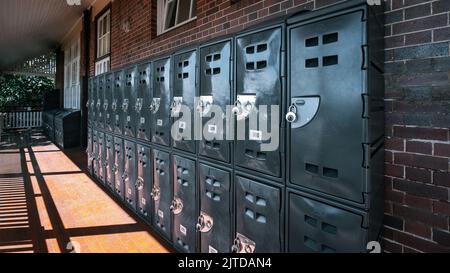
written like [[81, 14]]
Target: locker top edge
[[339, 7]]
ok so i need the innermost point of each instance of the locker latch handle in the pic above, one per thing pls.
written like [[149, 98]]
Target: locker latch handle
[[237, 108], [139, 184], [99, 104], [156, 193], [114, 105], [105, 105], [243, 245], [125, 105], [205, 223], [177, 206]]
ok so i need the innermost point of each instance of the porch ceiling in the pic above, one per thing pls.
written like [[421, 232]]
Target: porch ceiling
[[29, 28]]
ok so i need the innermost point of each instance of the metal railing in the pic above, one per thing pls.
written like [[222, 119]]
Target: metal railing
[[21, 119]]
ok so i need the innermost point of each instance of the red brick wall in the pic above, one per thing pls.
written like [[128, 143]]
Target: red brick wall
[[417, 93], [418, 104]]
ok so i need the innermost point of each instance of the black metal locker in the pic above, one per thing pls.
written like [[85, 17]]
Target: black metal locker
[[116, 106], [129, 102], [90, 151], [214, 222], [183, 100], [183, 206], [258, 217], [119, 167], [331, 141], [144, 183], [109, 162], [318, 227], [90, 104], [94, 102], [100, 171], [107, 103], [259, 59], [129, 173], [143, 102], [100, 122], [162, 193], [160, 106], [215, 95]]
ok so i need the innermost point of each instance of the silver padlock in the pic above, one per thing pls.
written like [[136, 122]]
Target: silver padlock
[[291, 116], [237, 108]]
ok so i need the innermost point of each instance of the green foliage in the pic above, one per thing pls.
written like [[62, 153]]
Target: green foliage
[[18, 90]]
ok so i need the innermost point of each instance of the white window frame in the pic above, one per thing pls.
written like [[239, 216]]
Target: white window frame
[[102, 66], [72, 85], [104, 39], [162, 14]]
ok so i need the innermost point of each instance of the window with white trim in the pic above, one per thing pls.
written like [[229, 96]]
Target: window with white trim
[[72, 76], [173, 13], [104, 34]]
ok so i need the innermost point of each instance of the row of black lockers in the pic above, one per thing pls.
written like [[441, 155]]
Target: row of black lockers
[[328, 197]]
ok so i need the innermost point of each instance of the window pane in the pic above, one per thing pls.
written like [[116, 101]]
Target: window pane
[[108, 43], [170, 14], [194, 9], [184, 10]]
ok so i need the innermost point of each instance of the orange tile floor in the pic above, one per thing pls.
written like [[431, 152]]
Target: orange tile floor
[[48, 204]]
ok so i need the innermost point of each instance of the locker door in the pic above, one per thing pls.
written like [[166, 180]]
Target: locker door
[[119, 167], [109, 162], [94, 101], [184, 92], [101, 157], [94, 152], [317, 227], [144, 101], [162, 193], [91, 101], [258, 217], [89, 150], [100, 100], [214, 222], [144, 183], [129, 102], [215, 89], [258, 83], [107, 104], [327, 139], [183, 206], [116, 106], [160, 105], [129, 174]]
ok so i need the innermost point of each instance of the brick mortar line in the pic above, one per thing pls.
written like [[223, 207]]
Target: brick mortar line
[[413, 5]]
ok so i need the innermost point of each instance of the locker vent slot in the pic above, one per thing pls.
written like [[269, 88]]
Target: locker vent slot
[[311, 244], [311, 42], [330, 38], [311, 63], [250, 198], [217, 57], [208, 71], [250, 66], [249, 213], [332, 173], [208, 58], [261, 202], [250, 50], [329, 228], [262, 48], [261, 64], [216, 71], [180, 64], [186, 63], [330, 60], [311, 168], [185, 75], [261, 219], [310, 221]]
